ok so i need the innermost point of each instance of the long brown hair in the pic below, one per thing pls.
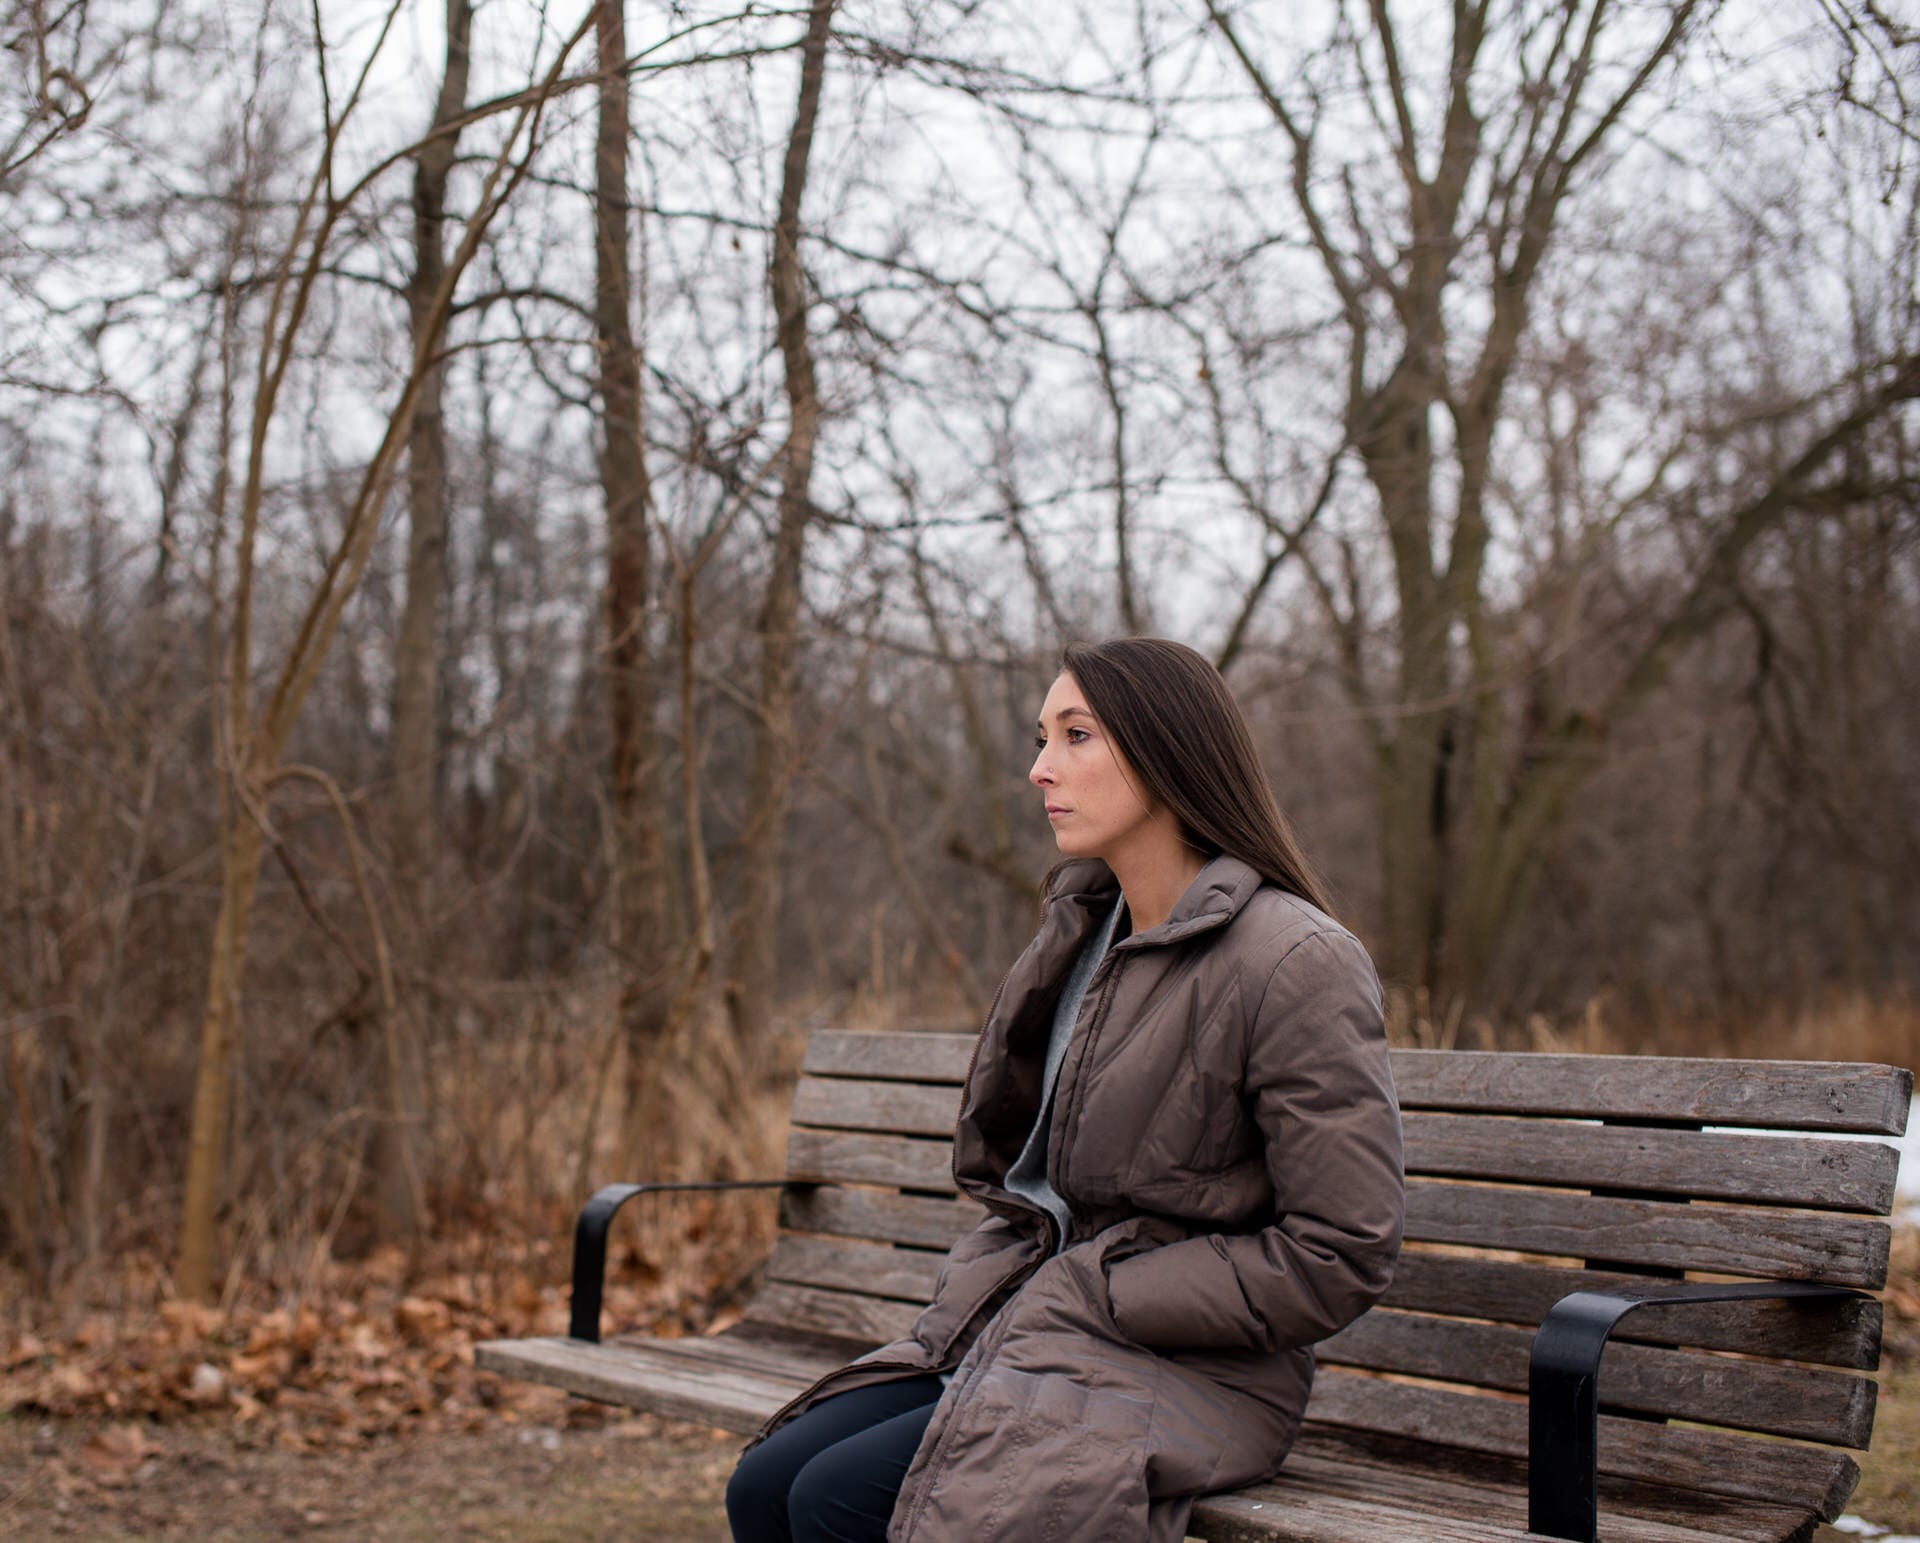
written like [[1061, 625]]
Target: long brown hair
[[1178, 726]]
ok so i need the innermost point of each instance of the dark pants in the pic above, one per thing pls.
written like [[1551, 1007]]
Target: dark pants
[[832, 1475]]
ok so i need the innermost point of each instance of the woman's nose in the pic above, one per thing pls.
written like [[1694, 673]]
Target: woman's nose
[[1041, 774]]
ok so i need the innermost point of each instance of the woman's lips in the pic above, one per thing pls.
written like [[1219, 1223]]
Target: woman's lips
[[1054, 811]]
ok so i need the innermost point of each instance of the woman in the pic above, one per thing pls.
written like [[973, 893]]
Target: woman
[[1182, 1125]]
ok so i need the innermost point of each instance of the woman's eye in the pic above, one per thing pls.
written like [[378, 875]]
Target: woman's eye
[[1039, 742], [1075, 736]]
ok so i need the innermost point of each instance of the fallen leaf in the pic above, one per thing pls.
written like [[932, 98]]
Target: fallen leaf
[[422, 1319], [115, 1455]]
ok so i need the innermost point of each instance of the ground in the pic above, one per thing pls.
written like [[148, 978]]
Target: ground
[[558, 1474], [637, 1480]]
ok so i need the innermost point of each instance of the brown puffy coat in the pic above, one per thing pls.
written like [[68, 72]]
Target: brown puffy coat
[[1225, 1133]]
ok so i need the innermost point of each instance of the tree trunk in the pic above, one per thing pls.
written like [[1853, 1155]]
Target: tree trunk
[[395, 1174], [240, 856], [638, 912], [774, 748], [1393, 435]]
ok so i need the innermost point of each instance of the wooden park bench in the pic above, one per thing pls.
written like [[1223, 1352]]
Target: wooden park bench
[[1724, 1400]]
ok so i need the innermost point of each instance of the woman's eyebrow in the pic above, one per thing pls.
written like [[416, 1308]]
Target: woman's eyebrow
[[1063, 714]]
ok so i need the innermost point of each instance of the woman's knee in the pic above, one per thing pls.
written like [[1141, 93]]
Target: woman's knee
[[757, 1502], [828, 1504]]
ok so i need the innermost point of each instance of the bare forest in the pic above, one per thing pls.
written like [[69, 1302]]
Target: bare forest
[[531, 542]]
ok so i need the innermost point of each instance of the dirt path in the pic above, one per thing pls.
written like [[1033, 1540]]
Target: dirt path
[[634, 1480]]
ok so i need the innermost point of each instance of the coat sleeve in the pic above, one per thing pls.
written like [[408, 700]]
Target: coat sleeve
[[1320, 1087]]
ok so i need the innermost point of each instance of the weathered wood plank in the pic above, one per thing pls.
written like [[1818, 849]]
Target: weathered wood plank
[[1494, 1488], [904, 1108], [1514, 1291], [1292, 1512], [756, 1349], [865, 1213], [836, 1157], [1298, 1508], [908, 1274], [1711, 1389], [630, 1374], [1323, 1488], [1772, 1095], [1837, 1175], [868, 1321], [1730, 1240], [1819, 1479], [896, 1057]]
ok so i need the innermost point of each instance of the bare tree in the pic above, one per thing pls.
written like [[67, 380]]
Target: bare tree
[[1435, 271], [416, 672], [253, 739], [778, 626], [638, 863]]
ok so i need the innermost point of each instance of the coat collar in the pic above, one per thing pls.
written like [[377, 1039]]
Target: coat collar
[[1213, 899]]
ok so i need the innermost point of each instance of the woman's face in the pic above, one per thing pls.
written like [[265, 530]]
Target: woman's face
[[1094, 801]]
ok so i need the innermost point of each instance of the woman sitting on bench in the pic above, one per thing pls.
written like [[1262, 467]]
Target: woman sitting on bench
[[1181, 1122]]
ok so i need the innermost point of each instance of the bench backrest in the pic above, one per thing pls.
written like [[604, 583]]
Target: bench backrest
[[1529, 1176]]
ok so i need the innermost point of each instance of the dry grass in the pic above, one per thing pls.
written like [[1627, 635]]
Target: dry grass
[[1843, 1026]]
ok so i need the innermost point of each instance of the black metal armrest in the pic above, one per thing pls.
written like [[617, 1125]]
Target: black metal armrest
[[590, 1243], [1563, 1407]]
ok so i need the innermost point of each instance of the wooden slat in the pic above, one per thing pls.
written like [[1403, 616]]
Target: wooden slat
[[1315, 1495], [865, 1213], [904, 1162], [868, 1321], [1494, 1489], [904, 1108], [907, 1274], [1840, 1175], [1710, 1389], [1513, 1291], [1731, 1240], [756, 1349], [1282, 1515], [635, 1376], [896, 1057], [1778, 1473], [1772, 1095]]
